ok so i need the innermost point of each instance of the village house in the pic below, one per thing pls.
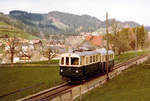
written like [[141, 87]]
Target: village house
[[1, 57], [25, 58], [92, 42], [37, 44], [95, 40]]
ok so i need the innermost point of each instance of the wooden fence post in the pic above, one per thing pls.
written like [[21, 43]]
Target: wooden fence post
[[60, 98], [80, 93], [71, 95]]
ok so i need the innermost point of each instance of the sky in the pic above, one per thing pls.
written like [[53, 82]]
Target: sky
[[123, 10]]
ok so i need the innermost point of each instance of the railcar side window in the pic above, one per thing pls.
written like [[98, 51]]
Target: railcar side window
[[103, 57], [62, 60], [67, 60], [87, 60], [100, 58], [74, 61], [90, 59], [96, 57], [93, 58], [110, 56]]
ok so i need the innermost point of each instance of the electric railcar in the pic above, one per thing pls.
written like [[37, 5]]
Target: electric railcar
[[82, 65]]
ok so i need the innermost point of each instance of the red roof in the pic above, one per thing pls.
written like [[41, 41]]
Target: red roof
[[95, 40]]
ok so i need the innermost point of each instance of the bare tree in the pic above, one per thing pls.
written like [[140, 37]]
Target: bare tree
[[12, 44], [49, 53], [116, 27]]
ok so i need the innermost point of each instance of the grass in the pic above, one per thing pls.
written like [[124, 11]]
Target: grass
[[60, 25], [132, 85], [36, 63], [128, 55], [10, 31], [12, 79], [45, 62], [2, 23]]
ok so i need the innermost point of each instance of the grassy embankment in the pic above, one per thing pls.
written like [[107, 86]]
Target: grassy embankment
[[128, 55], [14, 78], [132, 85]]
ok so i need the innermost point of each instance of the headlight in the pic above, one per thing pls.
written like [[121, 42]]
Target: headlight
[[61, 70], [77, 71]]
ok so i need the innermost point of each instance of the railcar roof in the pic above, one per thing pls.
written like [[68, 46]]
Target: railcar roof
[[88, 53]]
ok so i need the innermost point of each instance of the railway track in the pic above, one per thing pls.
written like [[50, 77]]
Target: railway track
[[56, 91], [48, 94], [129, 61]]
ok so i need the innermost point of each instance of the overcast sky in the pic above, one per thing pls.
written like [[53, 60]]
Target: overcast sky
[[124, 10]]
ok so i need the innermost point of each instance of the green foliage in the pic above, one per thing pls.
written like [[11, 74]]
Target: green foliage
[[128, 39], [142, 35]]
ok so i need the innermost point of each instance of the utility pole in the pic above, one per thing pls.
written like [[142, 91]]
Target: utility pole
[[136, 45], [107, 47]]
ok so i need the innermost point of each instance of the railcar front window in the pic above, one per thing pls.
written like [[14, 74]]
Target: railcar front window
[[74, 61], [67, 60], [62, 60]]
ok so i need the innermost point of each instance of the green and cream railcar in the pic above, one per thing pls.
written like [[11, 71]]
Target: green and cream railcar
[[81, 65]]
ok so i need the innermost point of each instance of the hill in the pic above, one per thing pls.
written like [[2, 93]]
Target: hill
[[11, 27], [59, 22]]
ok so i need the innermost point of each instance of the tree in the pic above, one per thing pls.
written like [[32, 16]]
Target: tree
[[12, 43], [142, 36], [120, 41], [129, 38], [115, 26], [49, 53], [119, 38]]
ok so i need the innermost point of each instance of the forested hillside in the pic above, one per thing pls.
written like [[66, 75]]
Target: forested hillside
[[63, 23], [13, 27]]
